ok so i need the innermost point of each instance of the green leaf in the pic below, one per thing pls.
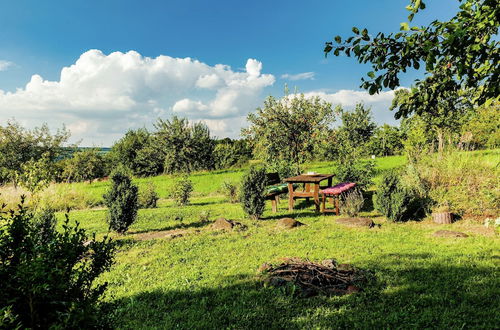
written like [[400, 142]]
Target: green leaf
[[338, 39], [404, 26], [371, 74], [355, 30], [364, 32]]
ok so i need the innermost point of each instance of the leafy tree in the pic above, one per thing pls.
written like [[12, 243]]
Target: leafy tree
[[252, 192], [186, 147], [444, 124], [228, 153], [121, 200], [86, 165], [355, 132], [287, 129], [36, 175], [483, 128], [460, 54], [19, 145], [139, 151], [148, 198], [47, 277], [387, 140]]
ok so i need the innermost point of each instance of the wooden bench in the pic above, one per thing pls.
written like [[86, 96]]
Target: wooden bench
[[275, 188], [334, 193]]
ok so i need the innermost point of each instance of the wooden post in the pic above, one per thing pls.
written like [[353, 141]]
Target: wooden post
[[442, 217], [290, 197], [316, 196], [337, 205]]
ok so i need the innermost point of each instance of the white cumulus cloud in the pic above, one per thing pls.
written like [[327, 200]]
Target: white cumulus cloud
[[298, 76], [348, 99], [100, 96], [4, 65]]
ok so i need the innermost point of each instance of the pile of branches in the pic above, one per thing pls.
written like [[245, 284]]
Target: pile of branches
[[327, 277]]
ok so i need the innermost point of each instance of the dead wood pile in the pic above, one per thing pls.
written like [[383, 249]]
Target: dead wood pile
[[327, 277]]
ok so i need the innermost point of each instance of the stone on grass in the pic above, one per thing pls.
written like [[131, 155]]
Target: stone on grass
[[450, 233], [356, 222], [289, 223], [224, 224]]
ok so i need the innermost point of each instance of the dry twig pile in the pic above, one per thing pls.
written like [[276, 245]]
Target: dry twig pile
[[327, 277]]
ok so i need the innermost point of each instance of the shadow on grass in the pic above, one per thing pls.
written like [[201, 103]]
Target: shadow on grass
[[180, 225], [430, 296]]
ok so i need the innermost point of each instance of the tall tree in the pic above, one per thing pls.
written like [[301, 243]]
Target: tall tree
[[288, 128], [459, 54]]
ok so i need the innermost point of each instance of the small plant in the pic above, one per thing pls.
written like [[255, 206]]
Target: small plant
[[352, 203], [181, 190], [398, 201], [47, 277], [148, 198], [252, 192], [230, 190], [121, 200], [204, 216]]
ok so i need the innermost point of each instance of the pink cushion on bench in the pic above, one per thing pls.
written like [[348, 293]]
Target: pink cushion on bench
[[338, 189]]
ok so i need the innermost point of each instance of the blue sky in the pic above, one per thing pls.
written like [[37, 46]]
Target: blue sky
[[101, 96]]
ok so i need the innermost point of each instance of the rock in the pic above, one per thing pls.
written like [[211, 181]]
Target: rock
[[356, 222], [289, 223], [450, 233], [224, 224]]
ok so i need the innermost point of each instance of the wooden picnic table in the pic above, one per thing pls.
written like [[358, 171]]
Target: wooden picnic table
[[311, 187]]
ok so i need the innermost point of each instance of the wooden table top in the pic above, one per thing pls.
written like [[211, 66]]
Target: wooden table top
[[308, 178]]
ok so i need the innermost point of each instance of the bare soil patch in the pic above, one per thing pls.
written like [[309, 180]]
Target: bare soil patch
[[288, 223]]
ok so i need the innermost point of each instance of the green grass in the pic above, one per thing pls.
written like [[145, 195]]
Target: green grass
[[207, 279]]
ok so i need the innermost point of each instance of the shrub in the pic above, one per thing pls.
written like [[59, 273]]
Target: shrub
[[358, 171], [352, 203], [181, 190], [121, 200], [47, 278], [36, 175], [252, 192], [230, 190], [148, 197], [399, 201], [204, 216]]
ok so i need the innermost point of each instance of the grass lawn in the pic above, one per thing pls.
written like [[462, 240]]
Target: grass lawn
[[208, 279]]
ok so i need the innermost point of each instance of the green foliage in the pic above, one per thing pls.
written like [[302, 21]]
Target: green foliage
[[181, 190], [352, 203], [36, 175], [186, 147], [230, 190], [86, 165], [252, 192], [121, 200], [148, 198], [19, 146], [284, 168], [229, 153], [288, 129], [463, 181], [355, 132], [138, 150], [459, 54], [47, 277], [386, 141], [359, 171], [483, 129], [397, 200]]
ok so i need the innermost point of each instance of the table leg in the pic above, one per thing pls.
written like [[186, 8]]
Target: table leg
[[290, 197], [329, 182], [316, 196]]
